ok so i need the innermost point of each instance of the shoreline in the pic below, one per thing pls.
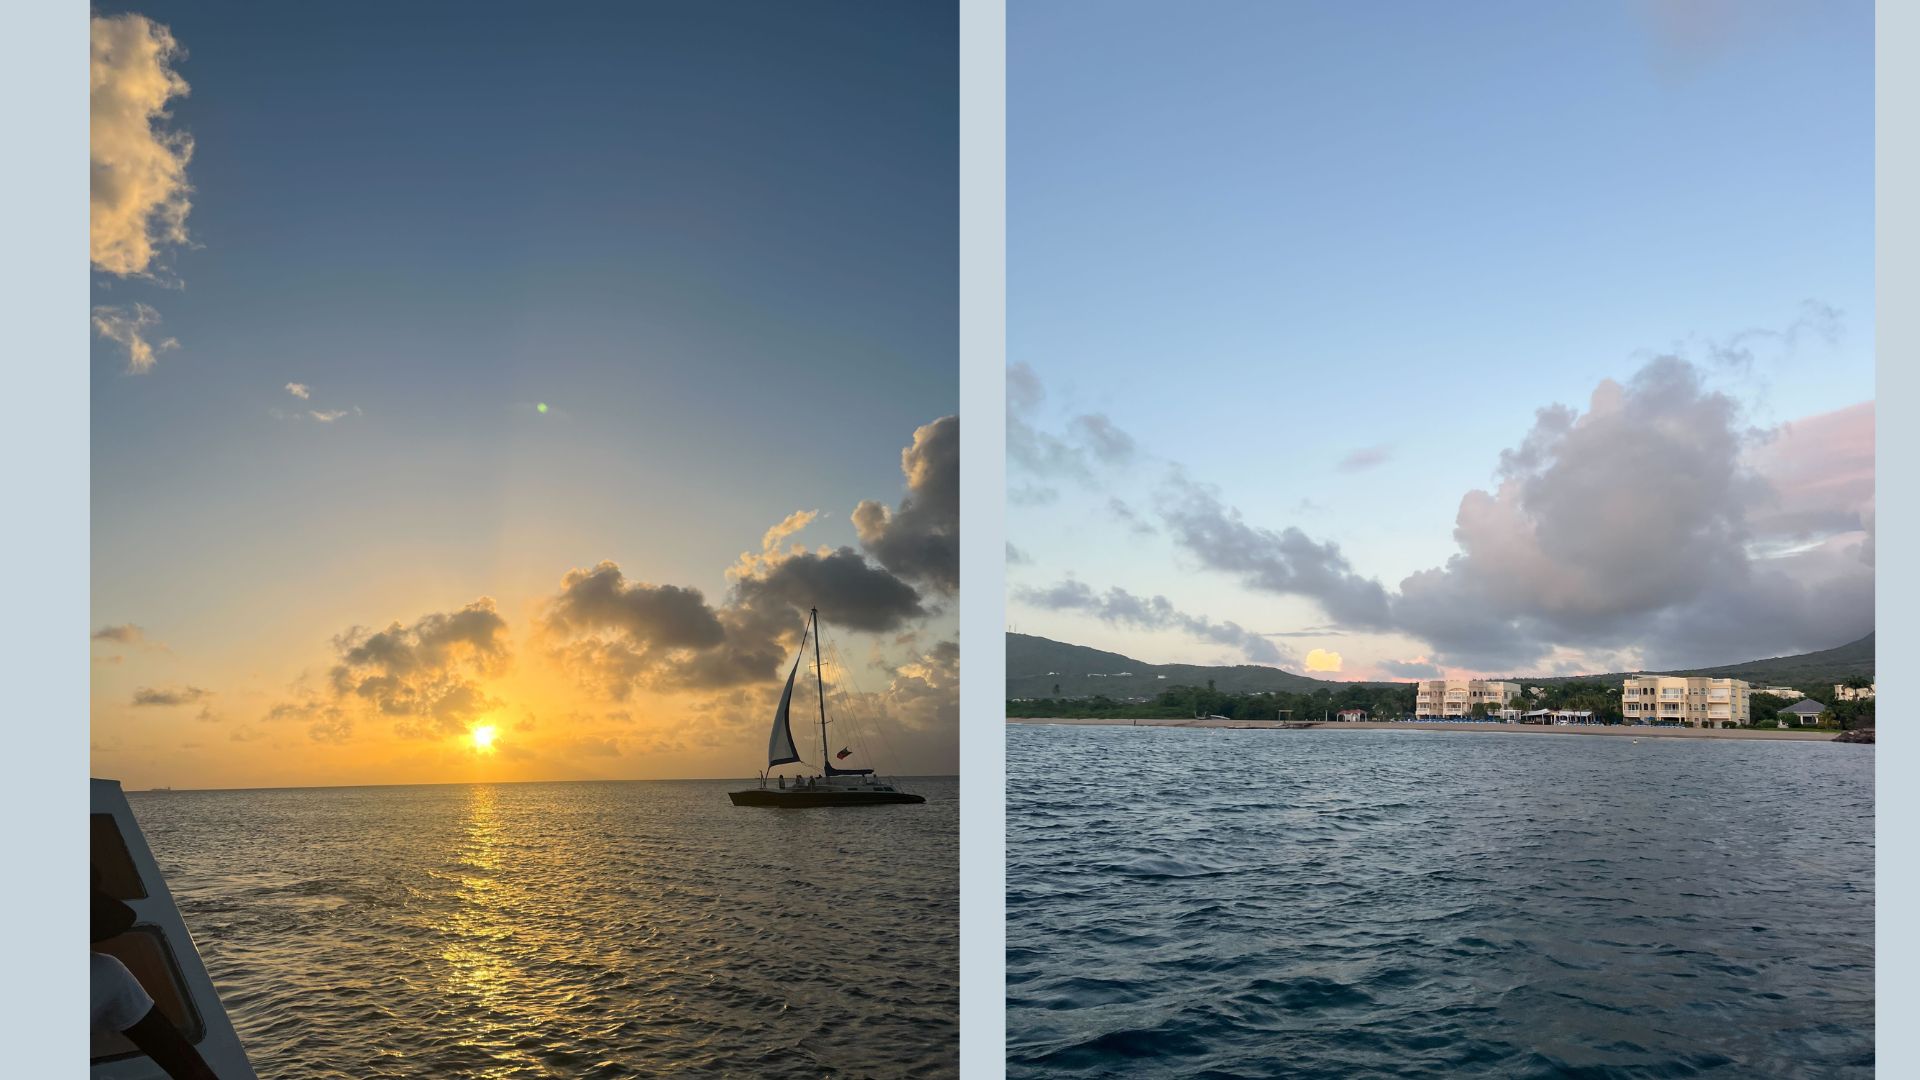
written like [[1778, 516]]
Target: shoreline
[[1510, 729]]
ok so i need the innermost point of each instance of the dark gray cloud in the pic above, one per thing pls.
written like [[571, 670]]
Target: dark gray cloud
[[1130, 518], [425, 676], [758, 639], [1016, 557], [1411, 669], [1029, 494], [1024, 389], [849, 590], [1814, 599], [1094, 440], [1028, 446], [616, 635], [172, 695], [1122, 608], [1364, 458], [1044, 454], [1286, 562], [1102, 438], [920, 539], [661, 617]]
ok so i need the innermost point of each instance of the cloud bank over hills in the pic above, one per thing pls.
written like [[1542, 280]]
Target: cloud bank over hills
[[1656, 522]]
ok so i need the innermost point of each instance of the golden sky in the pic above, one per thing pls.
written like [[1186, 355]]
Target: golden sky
[[398, 433]]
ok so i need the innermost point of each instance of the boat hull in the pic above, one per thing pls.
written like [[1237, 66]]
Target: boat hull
[[804, 799]]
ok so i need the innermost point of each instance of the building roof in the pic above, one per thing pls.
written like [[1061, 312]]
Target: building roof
[[1806, 707]]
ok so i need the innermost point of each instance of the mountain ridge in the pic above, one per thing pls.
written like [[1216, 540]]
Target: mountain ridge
[[1042, 667]]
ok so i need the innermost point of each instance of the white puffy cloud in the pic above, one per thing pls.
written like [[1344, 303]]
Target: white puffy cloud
[[140, 195], [131, 326], [1635, 524]]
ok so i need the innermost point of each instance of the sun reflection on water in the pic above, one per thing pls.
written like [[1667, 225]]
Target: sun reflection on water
[[484, 938], [608, 930]]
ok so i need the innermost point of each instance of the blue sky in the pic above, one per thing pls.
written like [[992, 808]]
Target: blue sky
[[719, 242], [1261, 237]]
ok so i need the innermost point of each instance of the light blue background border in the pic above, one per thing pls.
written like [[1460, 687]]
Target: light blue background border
[[43, 538], [1897, 539], [44, 445], [983, 655]]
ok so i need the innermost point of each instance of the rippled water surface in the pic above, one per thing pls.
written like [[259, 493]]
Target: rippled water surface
[[1359, 904], [571, 930]]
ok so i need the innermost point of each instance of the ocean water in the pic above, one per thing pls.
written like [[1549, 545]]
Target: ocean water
[[1411, 904], [571, 930]]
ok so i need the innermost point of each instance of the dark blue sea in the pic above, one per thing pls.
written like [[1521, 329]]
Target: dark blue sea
[[1220, 903], [512, 931]]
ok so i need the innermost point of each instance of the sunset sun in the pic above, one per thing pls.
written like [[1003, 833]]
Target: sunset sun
[[483, 738]]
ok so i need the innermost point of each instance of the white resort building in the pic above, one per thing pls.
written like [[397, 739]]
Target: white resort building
[[1691, 700], [1843, 692], [1456, 697]]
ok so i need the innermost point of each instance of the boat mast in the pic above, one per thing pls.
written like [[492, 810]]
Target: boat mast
[[820, 684]]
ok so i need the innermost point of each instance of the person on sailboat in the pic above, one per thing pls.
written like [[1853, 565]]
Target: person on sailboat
[[120, 1004]]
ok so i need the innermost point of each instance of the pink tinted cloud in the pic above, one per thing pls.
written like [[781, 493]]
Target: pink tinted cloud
[[1821, 471]]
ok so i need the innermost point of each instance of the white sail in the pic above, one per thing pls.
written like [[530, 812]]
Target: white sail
[[780, 748]]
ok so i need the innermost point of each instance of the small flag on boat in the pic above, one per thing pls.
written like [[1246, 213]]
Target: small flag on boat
[[842, 754]]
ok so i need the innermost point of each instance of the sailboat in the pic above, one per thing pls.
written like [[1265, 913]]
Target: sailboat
[[835, 787]]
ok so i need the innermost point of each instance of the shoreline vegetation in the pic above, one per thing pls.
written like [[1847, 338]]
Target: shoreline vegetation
[[1394, 704], [1221, 723], [1066, 681]]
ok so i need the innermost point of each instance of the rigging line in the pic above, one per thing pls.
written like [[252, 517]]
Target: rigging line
[[880, 704], [821, 680], [848, 699], [844, 707], [879, 727], [864, 724]]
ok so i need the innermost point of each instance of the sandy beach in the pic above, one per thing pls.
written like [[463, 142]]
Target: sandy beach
[[1509, 729]]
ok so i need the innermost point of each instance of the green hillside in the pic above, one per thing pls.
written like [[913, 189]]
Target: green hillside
[[1805, 672], [1036, 665], [1826, 666]]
